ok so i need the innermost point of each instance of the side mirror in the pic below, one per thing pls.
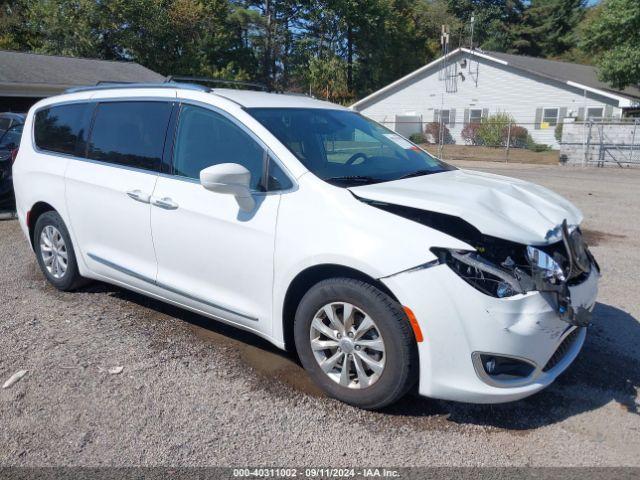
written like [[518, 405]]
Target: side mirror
[[231, 179]]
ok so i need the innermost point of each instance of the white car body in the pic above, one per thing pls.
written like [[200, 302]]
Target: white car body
[[210, 257]]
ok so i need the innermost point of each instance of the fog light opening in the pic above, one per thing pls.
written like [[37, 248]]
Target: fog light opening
[[495, 369]]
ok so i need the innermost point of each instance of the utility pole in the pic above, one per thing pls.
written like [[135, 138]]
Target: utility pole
[[267, 47]]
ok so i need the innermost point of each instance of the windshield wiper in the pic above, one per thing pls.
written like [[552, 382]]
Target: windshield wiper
[[417, 173], [352, 178]]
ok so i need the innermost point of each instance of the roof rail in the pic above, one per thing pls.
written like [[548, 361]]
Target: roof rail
[[216, 81], [122, 85]]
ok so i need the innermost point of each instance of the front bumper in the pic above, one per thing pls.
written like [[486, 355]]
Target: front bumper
[[457, 321]]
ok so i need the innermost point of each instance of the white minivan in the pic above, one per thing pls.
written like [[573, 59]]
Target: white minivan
[[314, 227]]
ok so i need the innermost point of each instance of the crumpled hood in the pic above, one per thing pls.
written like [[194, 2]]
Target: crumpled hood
[[499, 206]]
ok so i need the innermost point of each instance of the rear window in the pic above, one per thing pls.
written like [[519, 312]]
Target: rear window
[[4, 123], [63, 128], [130, 133]]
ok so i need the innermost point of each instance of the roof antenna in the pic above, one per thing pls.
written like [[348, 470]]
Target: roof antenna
[[473, 71], [448, 70]]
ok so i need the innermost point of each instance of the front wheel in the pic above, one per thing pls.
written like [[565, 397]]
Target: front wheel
[[356, 343]]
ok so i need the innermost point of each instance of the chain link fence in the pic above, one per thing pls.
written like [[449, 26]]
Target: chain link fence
[[596, 142]]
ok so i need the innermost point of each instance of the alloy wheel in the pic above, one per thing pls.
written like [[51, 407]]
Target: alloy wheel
[[347, 345], [54, 252]]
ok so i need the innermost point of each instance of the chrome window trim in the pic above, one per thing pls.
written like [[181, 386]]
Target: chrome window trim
[[168, 288], [248, 131]]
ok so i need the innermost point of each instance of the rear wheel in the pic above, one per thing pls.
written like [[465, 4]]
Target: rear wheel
[[356, 343], [54, 252]]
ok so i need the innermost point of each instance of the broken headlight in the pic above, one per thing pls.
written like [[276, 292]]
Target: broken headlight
[[503, 269], [481, 273], [544, 263]]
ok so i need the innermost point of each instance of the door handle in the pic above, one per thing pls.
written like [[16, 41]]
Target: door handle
[[139, 196], [165, 203]]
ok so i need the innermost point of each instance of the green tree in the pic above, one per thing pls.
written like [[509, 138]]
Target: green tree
[[495, 21], [57, 27], [173, 37], [10, 21], [328, 78], [549, 27], [612, 35]]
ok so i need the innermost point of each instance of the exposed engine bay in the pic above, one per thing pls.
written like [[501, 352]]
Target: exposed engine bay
[[502, 268]]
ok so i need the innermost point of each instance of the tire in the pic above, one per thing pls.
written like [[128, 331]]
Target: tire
[[52, 224], [397, 352]]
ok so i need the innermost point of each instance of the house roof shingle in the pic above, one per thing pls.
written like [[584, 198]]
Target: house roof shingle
[[30, 68], [563, 71]]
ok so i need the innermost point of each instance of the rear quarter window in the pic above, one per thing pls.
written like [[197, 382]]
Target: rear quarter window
[[130, 133], [63, 128]]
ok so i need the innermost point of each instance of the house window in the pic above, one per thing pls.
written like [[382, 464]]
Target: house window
[[444, 116], [595, 112], [475, 115], [550, 116]]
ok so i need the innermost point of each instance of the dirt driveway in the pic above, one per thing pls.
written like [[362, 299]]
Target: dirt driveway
[[192, 392]]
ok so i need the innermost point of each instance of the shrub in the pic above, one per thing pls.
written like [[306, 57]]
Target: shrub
[[470, 134], [558, 132], [418, 138], [432, 133], [492, 131], [519, 137], [536, 147]]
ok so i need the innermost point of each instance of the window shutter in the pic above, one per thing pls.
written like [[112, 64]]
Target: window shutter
[[563, 114], [436, 115], [466, 116], [485, 113], [608, 111], [538, 118], [452, 117], [581, 114]]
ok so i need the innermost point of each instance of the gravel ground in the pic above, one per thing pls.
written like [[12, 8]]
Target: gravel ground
[[193, 392]]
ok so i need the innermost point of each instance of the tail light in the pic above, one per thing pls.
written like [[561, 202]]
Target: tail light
[[13, 155]]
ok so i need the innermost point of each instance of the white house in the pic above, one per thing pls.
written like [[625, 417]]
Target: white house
[[468, 85]]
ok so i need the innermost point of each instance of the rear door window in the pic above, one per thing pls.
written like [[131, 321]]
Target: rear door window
[[130, 133], [63, 128]]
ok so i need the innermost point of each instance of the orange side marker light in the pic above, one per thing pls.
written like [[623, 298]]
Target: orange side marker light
[[414, 324]]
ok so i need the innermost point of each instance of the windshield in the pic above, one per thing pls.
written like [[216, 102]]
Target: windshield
[[11, 138], [345, 148]]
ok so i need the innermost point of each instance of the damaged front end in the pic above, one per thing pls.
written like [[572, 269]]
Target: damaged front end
[[502, 268]]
